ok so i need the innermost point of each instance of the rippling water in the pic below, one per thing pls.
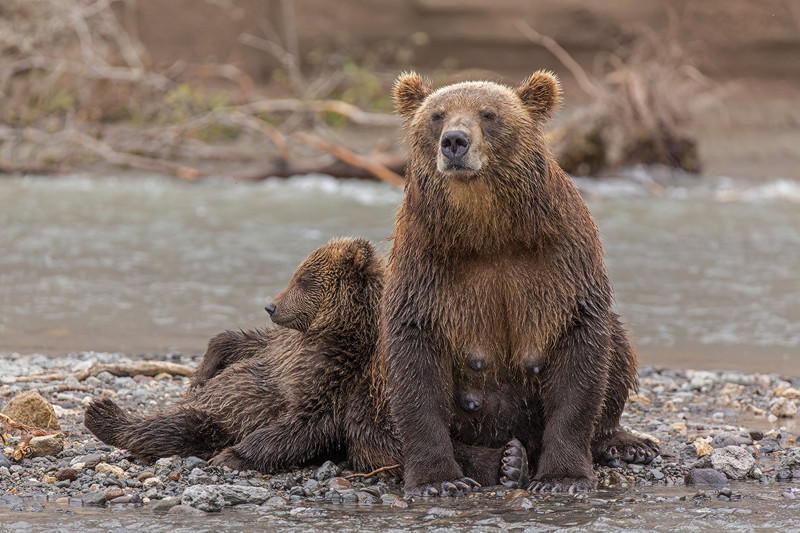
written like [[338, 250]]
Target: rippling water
[[706, 272]]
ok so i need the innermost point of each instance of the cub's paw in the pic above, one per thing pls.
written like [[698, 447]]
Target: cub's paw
[[514, 466], [622, 448], [228, 457], [570, 485], [105, 419], [444, 489]]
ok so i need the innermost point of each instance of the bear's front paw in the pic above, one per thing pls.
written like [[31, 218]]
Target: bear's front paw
[[458, 487], [563, 484], [228, 457]]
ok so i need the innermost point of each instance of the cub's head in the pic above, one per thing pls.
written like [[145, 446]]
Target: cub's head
[[337, 288], [461, 129]]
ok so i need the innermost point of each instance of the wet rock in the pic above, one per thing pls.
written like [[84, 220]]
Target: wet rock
[[113, 492], [105, 468], [327, 471], [31, 409], [66, 474], [784, 408], [399, 503], [340, 483], [193, 462], [198, 477], [688, 453], [95, 497], [705, 476], [121, 500], [91, 460], [162, 506], [144, 476], [174, 476], [517, 493], [733, 461], [152, 482], [727, 438], [4, 461], [212, 498], [46, 445], [519, 504], [769, 445], [756, 434], [703, 447], [276, 501]]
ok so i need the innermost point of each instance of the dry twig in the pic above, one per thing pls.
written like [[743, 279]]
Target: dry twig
[[374, 472], [138, 368]]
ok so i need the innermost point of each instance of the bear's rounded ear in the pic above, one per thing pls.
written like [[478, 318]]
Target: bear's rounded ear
[[410, 90], [359, 253], [540, 93]]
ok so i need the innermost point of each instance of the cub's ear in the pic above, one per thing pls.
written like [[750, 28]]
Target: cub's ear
[[410, 90], [359, 253], [540, 93]]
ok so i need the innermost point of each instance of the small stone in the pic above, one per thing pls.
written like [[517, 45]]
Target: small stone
[[68, 474], [340, 483], [184, 510], [705, 476], [105, 468], [193, 462], [174, 476], [791, 393], [95, 497], [731, 389], [276, 501], [46, 445], [756, 473], [121, 500], [677, 428], [517, 493], [162, 506], [657, 474], [727, 438], [31, 409], [4, 461], [163, 376], [327, 471], [144, 475], [733, 461], [113, 492], [152, 482], [703, 447], [756, 434], [91, 461], [399, 503], [519, 504], [784, 408], [48, 479]]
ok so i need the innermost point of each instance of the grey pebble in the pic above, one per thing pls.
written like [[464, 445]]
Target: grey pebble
[[96, 497], [705, 476]]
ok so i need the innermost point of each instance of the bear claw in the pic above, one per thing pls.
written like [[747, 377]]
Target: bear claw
[[514, 466]]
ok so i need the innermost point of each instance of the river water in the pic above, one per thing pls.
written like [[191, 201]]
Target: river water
[[707, 273]]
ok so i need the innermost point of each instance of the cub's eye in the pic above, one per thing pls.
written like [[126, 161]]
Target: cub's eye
[[488, 115], [438, 116]]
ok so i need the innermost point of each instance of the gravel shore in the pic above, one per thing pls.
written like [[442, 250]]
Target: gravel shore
[[713, 427]]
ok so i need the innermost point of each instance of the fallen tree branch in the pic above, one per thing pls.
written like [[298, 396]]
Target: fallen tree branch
[[370, 164], [374, 472], [138, 368], [292, 105]]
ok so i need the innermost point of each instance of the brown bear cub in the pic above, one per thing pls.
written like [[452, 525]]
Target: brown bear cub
[[309, 389], [497, 316]]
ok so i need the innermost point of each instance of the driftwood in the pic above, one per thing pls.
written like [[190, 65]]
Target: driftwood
[[138, 368], [374, 472], [372, 165], [337, 169]]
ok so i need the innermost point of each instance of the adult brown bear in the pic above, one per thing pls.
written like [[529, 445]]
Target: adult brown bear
[[311, 388], [497, 316]]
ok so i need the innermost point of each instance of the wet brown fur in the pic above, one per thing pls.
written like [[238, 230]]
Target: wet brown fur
[[313, 387], [503, 260]]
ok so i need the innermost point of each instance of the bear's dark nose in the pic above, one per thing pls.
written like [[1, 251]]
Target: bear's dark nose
[[270, 308], [455, 144]]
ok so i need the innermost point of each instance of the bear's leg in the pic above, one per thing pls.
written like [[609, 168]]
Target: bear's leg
[[572, 387], [507, 466], [612, 445], [420, 386], [280, 444], [178, 432], [225, 349]]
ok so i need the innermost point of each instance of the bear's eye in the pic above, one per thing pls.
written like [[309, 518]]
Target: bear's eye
[[438, 116], [488, 115]]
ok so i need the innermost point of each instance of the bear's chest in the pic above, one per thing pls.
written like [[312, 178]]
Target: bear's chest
[[510, 308]]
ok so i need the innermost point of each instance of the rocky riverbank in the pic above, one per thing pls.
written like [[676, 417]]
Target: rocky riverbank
[[713, 427]]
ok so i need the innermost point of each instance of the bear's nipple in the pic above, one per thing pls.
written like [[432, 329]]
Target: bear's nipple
[[471, 402]]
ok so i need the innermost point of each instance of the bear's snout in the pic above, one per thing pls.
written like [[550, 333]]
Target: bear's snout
[[270, 308], [455, 144]]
